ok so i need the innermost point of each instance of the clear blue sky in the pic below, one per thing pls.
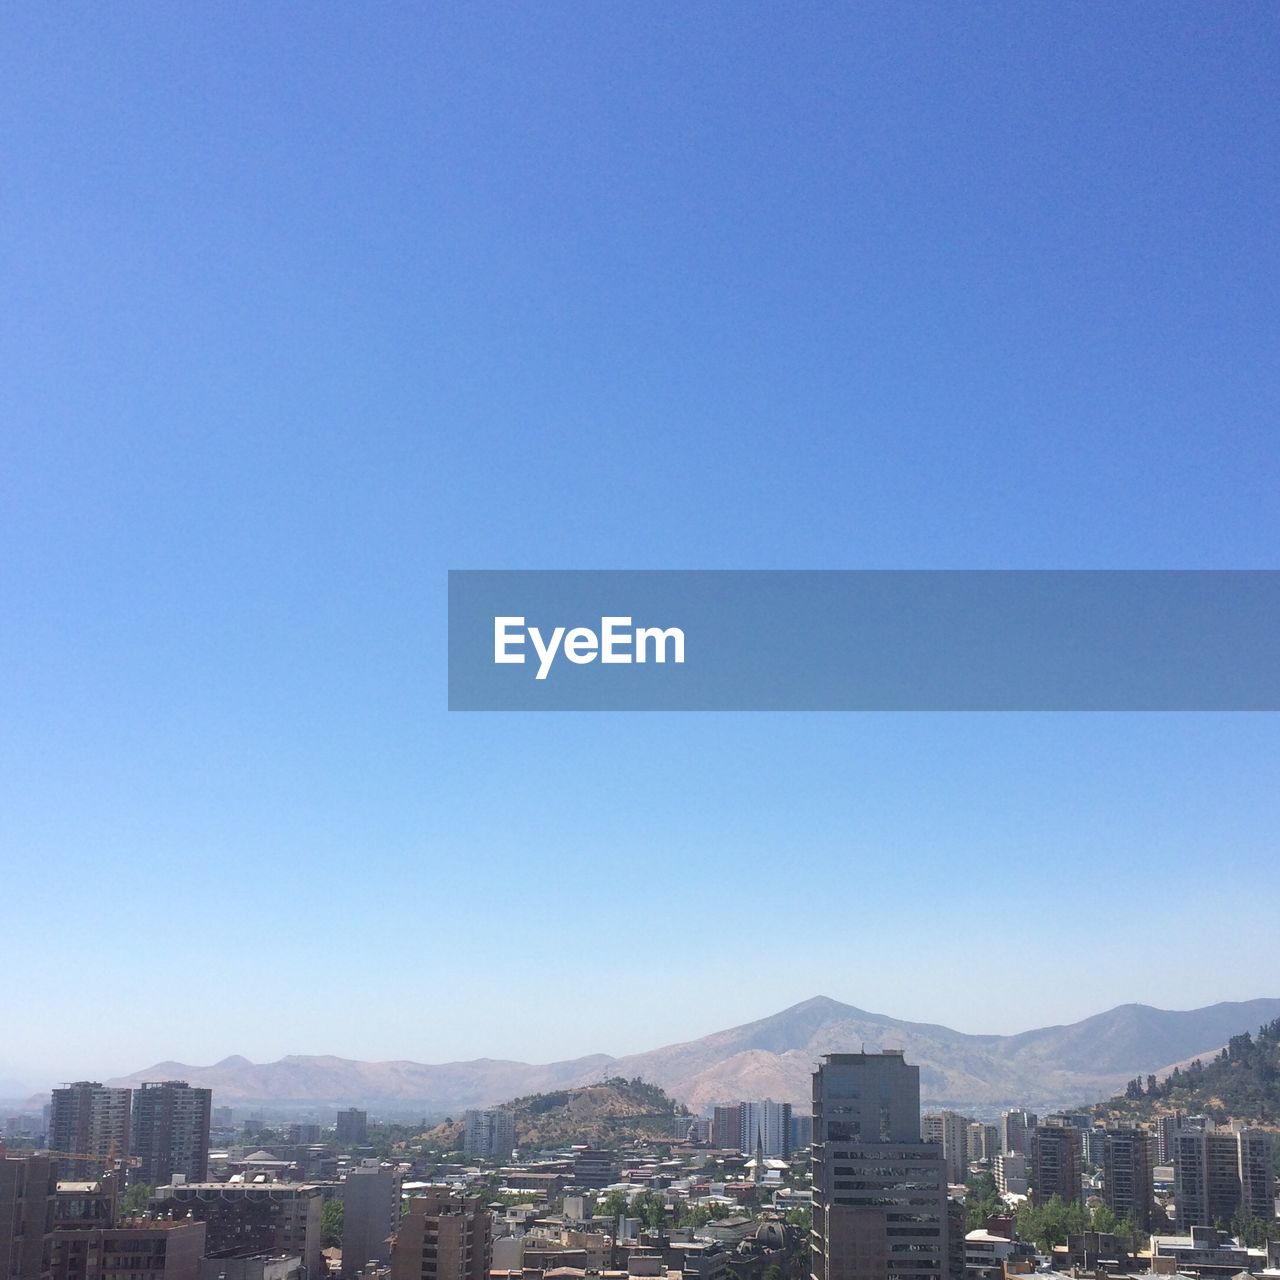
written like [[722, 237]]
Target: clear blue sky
[[305, 306]]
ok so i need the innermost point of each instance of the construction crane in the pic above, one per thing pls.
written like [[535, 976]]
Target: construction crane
[[110, 1162]]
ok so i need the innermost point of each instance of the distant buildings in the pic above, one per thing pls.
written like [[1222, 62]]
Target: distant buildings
[[352, 1127], [984, 1141], [1055, 1163], [740, 1126], [879, 1190], [370, 1215], [90, 1122], [766, 1124], [726, 1127], [489, 1134], [951, 1132], [1015, 1131], [169, 1133], [443, 1238]]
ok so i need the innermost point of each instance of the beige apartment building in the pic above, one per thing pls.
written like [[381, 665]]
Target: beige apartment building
[[443, 1237]]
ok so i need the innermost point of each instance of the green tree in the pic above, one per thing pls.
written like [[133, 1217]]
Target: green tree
[[801, 1217], [614, 1205], [331, 1224], [651, 1209], [1251, 1232], [1104, 1219], [982, 1199], [134, 1200]]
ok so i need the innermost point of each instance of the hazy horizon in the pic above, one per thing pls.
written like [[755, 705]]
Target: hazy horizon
[[7, 1076]]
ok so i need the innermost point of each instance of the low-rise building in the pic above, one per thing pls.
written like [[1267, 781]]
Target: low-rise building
[[250, 1217], [1204, 1252], [134, 1251]]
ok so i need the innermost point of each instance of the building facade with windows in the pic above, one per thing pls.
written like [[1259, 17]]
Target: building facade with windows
[[879, 1190]]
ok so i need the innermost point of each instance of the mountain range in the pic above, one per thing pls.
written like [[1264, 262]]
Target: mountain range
[[770, 1058]]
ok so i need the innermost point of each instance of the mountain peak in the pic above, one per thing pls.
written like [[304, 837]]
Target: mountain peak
[[772, 1057]]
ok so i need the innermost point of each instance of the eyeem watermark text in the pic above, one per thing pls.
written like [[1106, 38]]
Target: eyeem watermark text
[[616, 642]]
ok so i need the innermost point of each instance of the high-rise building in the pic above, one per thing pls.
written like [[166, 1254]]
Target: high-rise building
[[169, 1132], [1217, 1172], [370, 1215], [1010, 1169], [1167, 1127], [88, 1119], [443, 1237], [353, 1127], [1126, 1174], [879, 1190], [984, 1141], [801, 1132], [1257, 1173], [1055, 1163], [726, 1128], [768, 1125], [489, 1134], [1015, 1131], [951, 1132], [28, 1186]]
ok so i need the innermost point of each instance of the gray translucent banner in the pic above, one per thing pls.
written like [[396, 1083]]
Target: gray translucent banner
[[802, 640]]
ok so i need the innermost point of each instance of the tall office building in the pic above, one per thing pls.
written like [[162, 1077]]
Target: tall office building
[[169, 1132], [1217, 1172], [726, 1128], [1126, 1174], [370, 1215], [489, 1134], [1055, 1163], [1015, 1131], [443, 1237], [768, 1125], [353, 1126], [951, 1132], [89, 1120], [879, 1190], [28, 1188]]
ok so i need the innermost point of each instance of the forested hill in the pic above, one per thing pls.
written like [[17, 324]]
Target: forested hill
[[607, 1114], [1242, 1082]]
